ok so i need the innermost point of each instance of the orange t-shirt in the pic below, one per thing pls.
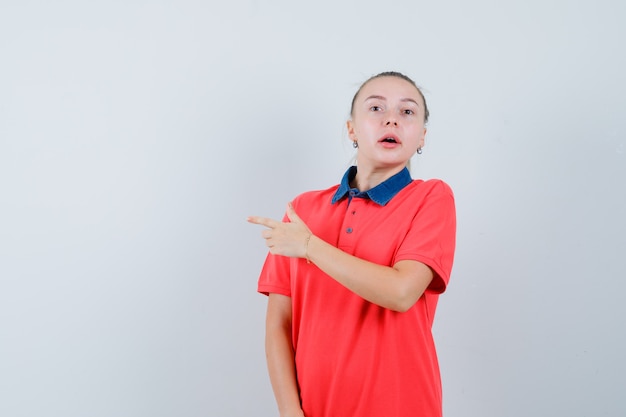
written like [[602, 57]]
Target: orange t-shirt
[[354, 358]]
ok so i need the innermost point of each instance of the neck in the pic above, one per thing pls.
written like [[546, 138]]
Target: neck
[[366, 179]]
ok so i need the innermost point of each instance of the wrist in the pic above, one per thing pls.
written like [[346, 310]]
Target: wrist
[[306, 248]]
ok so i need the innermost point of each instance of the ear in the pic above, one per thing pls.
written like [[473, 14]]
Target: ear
[[351, 133], [420, 142]]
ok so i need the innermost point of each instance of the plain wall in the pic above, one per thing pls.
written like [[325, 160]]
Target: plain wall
[[136, 136]]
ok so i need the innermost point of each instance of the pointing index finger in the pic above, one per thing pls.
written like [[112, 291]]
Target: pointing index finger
[[263, 221]]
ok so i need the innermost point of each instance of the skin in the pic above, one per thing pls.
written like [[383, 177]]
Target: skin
[[280, 356], [385, 107]]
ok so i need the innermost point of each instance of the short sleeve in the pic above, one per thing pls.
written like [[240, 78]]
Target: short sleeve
[[431, 238], [274, 276]]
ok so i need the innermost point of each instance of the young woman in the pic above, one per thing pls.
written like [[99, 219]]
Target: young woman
[[355, 271]]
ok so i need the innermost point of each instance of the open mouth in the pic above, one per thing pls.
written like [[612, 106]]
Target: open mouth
[[391, 139]]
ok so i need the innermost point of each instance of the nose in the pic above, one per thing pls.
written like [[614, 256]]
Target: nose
[[391, 119]]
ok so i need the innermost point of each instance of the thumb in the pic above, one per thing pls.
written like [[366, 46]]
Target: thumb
[[292, 215]]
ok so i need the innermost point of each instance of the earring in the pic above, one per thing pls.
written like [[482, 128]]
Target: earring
[[419, 151], [355, 144]]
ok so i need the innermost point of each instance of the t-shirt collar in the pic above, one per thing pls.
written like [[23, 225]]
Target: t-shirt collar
[[381, 194]]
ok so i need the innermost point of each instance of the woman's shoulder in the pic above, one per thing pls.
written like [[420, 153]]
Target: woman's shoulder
[[433, 193], [315, 197], [431, 186]]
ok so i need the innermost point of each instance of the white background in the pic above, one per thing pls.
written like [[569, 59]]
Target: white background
[[136, 136]]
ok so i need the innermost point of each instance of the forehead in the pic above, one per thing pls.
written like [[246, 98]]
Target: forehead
[[390, 87]]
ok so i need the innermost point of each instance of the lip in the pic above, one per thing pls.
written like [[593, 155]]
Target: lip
[[392, 136]]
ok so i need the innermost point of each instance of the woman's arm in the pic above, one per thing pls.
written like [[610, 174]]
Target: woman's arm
[[396, 288], [280, 356]]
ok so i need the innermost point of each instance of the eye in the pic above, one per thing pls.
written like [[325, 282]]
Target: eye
[[408, 112], [375, 108]]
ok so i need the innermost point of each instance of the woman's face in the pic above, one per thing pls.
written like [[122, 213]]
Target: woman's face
[[388, 123]]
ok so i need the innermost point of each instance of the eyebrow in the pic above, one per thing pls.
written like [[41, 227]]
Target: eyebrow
[[383, 98]]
